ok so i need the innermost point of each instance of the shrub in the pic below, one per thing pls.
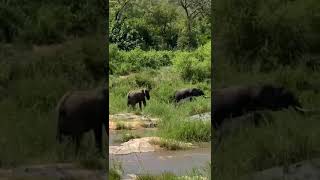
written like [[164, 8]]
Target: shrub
[[269, 33], [194, 66], [124, 62]]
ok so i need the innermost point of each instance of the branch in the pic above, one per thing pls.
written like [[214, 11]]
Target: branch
[[119, 12]]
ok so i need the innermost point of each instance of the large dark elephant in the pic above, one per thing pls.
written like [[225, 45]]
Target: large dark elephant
[[135, 97], [187, 93], [237, 101], [82, 111]]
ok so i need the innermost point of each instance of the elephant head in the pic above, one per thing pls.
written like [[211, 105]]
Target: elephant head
[[197, 92], [187, 94], [274, 98], [146, 93]]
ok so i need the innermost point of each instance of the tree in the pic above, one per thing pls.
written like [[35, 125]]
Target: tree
[[193, 9]]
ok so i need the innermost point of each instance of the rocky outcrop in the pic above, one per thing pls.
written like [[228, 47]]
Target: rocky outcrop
[[134, 146], [131, 121], [202, 117]]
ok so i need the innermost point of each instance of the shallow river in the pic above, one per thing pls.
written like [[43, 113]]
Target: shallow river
[[177, 162]]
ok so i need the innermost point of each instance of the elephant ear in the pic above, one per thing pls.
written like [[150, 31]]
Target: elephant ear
[[143, 92]]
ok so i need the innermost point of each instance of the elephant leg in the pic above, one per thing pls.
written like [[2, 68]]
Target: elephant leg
[[98, 137], [144, 102], [59, 137], [140, 105], [218, 141], [77, 139]]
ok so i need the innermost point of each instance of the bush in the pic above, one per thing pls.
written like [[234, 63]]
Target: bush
[[194, 66], [271, 33], [124, 62]]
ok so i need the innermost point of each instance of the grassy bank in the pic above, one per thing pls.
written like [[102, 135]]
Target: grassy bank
[[171, 71], [195, 174]]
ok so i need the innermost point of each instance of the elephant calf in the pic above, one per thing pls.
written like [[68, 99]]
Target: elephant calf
[[135, 97], [187, 93], [82, 111]]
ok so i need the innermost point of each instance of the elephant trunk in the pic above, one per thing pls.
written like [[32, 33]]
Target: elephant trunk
[[302, 110]]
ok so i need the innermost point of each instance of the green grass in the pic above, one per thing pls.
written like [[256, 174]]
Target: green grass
[[195, 174], [127, 135], [122, 126], [115, 171], [171, 144], [164, 79], [113, 175], [173, 122], [163, 176]]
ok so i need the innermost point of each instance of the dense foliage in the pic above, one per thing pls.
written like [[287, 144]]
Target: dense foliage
[[192, 66], [48, 22], [160, 25], [269, 33]]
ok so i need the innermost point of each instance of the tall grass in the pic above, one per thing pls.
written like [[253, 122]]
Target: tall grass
[[32, 82]]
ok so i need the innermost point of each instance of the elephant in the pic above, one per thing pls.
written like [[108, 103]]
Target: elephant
[[236, 101], [135, 97], [81, 111], [187, 93]]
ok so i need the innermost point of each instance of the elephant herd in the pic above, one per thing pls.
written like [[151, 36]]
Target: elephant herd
[[82, 111], [140, 96]]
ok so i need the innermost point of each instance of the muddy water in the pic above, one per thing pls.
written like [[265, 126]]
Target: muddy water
[[177, 162]]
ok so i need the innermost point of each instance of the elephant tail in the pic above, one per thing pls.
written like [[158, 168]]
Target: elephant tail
[[61, 104], [60, 110]]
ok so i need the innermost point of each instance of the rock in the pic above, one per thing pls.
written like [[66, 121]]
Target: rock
[[202, 117], [145, 144], [134, 146], [309, 169], [131, 121]]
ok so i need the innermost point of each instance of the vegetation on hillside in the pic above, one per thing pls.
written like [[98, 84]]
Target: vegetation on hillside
[[163, 46], [153, 46]]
